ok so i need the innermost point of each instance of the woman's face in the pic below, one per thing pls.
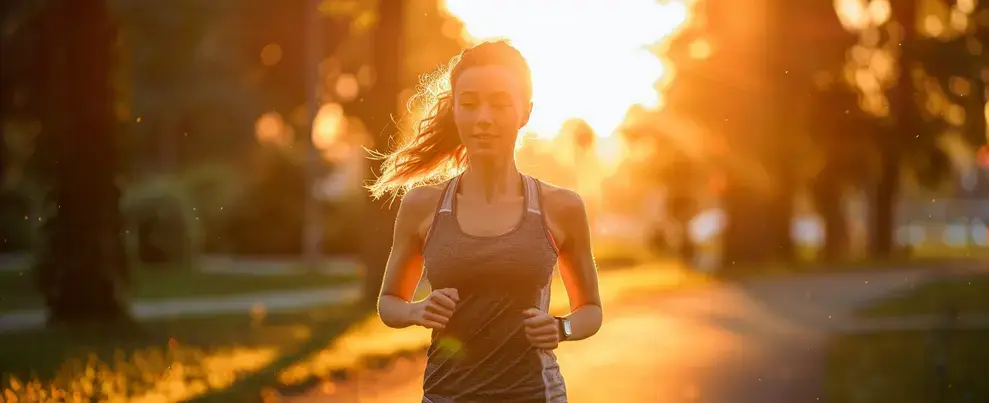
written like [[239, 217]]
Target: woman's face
[[489, 109]]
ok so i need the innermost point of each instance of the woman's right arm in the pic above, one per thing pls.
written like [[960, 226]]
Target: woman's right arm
[[404, 268]]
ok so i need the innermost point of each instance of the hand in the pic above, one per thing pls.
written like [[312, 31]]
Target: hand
[[434, 311], [541, 329]]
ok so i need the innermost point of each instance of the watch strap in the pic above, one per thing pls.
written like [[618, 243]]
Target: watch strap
[[560, 324]]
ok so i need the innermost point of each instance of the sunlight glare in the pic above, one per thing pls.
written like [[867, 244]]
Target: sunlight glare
[[590, 59]]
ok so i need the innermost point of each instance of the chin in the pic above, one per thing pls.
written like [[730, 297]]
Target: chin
[[487, 153]]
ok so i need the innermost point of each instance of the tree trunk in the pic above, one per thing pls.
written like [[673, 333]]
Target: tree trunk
[[883, 211], [750, 88], [682, 204], [828, 201], [745, 242], [82, 268], [904, 112], [380, 215]]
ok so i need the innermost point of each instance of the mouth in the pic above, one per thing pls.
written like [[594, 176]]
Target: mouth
[[484, 136]]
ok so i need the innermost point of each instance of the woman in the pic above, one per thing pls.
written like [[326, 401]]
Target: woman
[[487, 238]]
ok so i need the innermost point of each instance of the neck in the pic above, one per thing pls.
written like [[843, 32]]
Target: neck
[[492, 180]]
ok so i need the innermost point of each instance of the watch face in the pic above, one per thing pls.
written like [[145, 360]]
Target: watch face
[[566, 328]]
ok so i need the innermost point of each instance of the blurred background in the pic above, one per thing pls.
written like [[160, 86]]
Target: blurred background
[[182, 180]]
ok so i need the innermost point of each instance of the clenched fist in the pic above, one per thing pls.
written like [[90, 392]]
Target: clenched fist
[[435, 310], [541, 329]]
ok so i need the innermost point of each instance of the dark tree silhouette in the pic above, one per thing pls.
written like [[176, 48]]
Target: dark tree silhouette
[[383, 101], [81, 267], [890, 138]]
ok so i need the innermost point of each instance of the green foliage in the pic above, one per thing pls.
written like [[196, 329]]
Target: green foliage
[[18, 220], [162, 227], [268, 220], [182, 74], [343, 220], [963, 294], [909, 367], [268, 215], [214, 191]]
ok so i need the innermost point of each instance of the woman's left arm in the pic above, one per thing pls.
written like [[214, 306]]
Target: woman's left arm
[[576, 262]]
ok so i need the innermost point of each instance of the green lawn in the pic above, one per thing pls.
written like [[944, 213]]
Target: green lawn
[[968, 295], [17, 289], [900, 367], [228, 358]]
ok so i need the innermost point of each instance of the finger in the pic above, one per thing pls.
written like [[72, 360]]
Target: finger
[[542, 320], [542, 330], [546, 345], [443, 300], [545, 339], [434, 317], [433, 325], [452, 293], [531, 312], [438, 309]]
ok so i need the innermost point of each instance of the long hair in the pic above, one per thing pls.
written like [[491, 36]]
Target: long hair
[[434, 152]]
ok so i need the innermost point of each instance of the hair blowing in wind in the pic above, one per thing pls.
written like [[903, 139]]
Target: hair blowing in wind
[[434, 152]]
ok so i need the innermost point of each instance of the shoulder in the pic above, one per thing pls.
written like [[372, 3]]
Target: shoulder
[[417, 208], [560, 202], [423, 199]]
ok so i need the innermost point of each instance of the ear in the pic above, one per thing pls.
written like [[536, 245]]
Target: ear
[[526, 114]]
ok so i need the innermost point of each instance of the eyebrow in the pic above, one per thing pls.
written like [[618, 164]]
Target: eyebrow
[[496, 93]]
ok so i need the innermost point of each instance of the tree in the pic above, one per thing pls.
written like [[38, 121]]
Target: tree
[[737, 100], [82, 269], [924, 103], [184, 91], [380, 216]]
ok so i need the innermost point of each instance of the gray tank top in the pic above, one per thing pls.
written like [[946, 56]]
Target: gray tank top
[[483, 354]]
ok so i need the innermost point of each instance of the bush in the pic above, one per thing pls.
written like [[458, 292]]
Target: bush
[[17, 229], [342, 229], [269, 217], [214, 190], [161, 222]]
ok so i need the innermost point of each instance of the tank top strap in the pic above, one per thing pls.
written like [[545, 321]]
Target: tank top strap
[[532, 195], [449, 194]]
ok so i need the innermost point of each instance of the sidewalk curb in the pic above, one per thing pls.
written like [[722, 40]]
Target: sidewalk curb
[[22, 320]]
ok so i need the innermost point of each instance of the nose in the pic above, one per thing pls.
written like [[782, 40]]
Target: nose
[[484, 117]]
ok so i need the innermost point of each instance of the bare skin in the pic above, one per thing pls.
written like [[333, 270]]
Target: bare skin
[[490, 108], [567, 222]]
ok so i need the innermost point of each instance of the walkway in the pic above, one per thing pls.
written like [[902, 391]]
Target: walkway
[[244, 303], [760, 342]]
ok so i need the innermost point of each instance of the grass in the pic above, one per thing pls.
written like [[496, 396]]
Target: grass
[[900, 367], [807, 266], [966, 295], [231, 358], [17, 290], [220, 358]]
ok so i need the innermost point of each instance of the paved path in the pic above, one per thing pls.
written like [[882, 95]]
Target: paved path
[[616, 282], [244, 303], [221, 264], [760, 342]]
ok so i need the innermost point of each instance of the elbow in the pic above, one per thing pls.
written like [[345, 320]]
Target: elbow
[[598, 318], [392, 311], [590, 318]]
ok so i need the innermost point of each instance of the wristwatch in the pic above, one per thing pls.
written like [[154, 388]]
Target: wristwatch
[[565, 330]]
